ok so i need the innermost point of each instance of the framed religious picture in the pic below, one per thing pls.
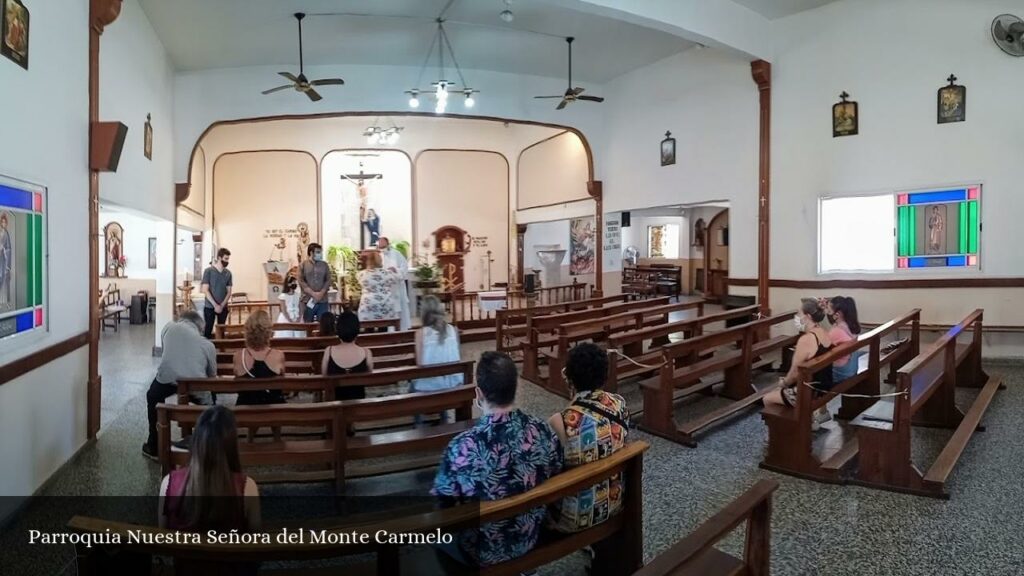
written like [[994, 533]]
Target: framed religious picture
[[147, 138], [952, 102], [14, 27], [152, 253], [668, 150], [845, 120]]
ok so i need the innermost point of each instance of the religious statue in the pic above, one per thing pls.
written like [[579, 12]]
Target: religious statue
[[448, 244], [372, 223], [303, 242], [361, 189]]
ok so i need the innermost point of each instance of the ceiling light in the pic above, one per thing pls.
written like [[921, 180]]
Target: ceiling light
[[442, 88], [380, 135]]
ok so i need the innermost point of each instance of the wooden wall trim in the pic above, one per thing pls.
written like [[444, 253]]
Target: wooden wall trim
[[761, 72], [40, 358], [894, 284]]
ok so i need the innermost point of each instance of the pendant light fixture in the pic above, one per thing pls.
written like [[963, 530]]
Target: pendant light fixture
[[442, 89], [383, 135]]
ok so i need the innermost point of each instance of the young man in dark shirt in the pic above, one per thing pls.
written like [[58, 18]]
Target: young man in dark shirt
[[217, 286]]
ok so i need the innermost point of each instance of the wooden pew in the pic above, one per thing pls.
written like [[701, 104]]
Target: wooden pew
[[303, 355], [696, 555], [334, 447], [793, 448], [540, 330], [225, 331], [618, 541], [653, 279], [598, 330], [736, 352], [927, 386], [631, 343], [511, 322], [326, 449]]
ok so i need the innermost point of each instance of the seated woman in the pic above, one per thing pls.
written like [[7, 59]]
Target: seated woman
[[592, 427], [347, 357], [842, 314], [506, 453], [212, 492], [259, 360], [377, 298], [437, 342], [813, 342], [328, 324]]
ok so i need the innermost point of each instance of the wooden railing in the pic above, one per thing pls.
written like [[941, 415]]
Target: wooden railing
[[466, 312]]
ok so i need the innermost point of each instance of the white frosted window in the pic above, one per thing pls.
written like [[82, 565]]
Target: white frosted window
[[855, 234]]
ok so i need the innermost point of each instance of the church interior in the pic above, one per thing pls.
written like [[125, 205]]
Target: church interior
[[602, 287]]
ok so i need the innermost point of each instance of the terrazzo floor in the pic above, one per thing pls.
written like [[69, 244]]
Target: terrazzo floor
[[816, 528]]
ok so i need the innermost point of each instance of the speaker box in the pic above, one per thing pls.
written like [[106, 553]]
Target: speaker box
[[625, 220], [530, 283], [106, 145], [197, 237]]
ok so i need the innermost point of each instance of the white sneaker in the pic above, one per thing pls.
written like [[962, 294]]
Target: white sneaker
[[820, 416]]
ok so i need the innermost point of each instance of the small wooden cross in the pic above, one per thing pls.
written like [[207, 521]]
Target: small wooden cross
[[844, 95], [952, 80], [763, 200]]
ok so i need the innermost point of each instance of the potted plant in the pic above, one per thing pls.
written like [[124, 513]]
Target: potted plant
[[344, 263], [427, 275]]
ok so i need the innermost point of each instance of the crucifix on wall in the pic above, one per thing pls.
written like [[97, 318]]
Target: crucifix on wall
[[369, 220]]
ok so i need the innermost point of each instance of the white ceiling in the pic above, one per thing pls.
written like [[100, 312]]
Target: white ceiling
[[205, 34], [773, 9]]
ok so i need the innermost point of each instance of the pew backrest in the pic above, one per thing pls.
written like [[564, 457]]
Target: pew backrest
[[692, 325], [918, 379]]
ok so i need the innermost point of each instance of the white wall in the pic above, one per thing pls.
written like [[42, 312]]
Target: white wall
[[137, 79], [709, 102], [45, 113], [893, 70]]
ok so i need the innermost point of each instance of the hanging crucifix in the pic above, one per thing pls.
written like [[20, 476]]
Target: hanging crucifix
[[369, 220]]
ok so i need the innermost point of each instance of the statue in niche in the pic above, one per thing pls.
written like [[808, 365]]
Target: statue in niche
[[372, 223], [303, 241], [448, 244]]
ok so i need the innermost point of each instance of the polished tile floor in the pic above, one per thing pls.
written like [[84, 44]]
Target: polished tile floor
[[816, 528]]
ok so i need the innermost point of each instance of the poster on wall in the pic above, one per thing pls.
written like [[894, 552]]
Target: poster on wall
[[582, 239], [613, 242], [22, 258], [14, 27]]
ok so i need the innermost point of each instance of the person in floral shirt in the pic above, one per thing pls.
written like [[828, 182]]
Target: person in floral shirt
[[506, 453], [377, 285]]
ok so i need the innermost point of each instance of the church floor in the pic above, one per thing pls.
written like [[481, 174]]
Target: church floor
[[816, 528]]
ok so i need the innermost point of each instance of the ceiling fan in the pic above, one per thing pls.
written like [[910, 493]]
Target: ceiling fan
[[1008, 34], [300, 83], [572, 94]]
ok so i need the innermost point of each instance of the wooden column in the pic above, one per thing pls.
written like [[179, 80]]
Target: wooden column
[[520, 253], [596, 190], [762, 73], [101, 14]]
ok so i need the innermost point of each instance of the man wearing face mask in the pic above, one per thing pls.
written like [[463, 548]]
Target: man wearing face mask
[[217, 286], [315, 282]]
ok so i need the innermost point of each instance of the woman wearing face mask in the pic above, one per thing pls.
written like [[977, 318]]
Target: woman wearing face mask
[[842, 315], [813, 342], [289, 307]]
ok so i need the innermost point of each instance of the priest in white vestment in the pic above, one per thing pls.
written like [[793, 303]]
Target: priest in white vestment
[[392, 258]]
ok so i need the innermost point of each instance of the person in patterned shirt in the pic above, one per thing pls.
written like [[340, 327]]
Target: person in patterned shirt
[[506, 453], [592, 427]]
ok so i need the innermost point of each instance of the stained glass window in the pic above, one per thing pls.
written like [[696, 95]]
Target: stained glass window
[[22, 258], [938, 228]]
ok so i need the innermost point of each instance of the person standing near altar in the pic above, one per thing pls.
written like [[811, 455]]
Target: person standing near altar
[[315, 282], [394, 259]]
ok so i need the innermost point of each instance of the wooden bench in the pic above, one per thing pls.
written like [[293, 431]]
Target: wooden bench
[[599, 330], [927, 386], [631, 343], [541, 330], [653, 279], [696, 555], [511, 322], [224, 331], [304, 355], [111, 310], [793, 448], [332, 446], [617, 541], [736, 352]]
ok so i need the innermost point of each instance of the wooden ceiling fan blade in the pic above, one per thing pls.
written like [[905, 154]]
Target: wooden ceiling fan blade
[[289, 76], [549, 96], [278, 89], [591, 98], [314, 95], [327, 82], [562, 104], [578, 90]]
